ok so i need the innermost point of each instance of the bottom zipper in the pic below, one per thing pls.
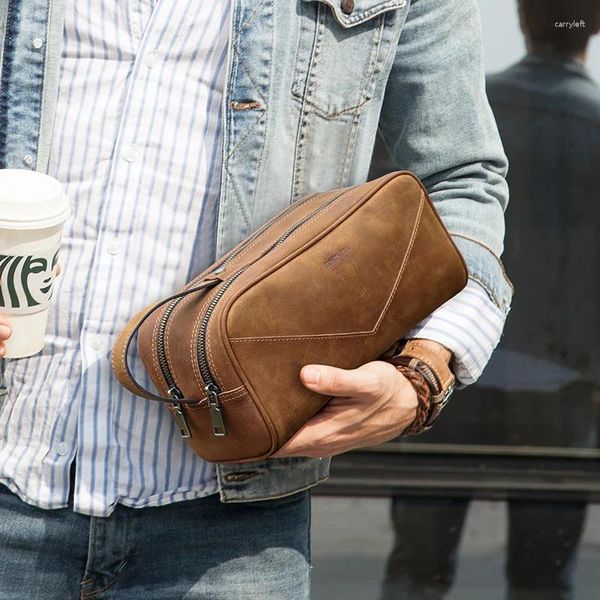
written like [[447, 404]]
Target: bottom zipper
[[212, 389]]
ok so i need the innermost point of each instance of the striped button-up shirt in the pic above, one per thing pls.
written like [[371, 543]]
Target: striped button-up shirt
[[137, 143]]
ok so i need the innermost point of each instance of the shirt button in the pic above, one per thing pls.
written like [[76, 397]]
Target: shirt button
[[62, 449], [114, 248], [152, 59], [130, 153], [37, 43], [28, 160], [97, 343]]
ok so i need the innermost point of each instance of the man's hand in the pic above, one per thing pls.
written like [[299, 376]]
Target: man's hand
[[371, 405], [5, 332]]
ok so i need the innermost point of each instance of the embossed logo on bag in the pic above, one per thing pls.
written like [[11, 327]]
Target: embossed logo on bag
[[332, 261], [26, 281]]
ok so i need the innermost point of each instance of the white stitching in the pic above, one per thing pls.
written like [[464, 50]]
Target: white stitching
[[224, 398]]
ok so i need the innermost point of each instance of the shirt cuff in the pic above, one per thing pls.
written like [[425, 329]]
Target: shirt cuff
[[469, 325]]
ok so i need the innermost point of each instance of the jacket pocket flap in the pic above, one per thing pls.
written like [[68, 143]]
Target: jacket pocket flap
[[349, 13]]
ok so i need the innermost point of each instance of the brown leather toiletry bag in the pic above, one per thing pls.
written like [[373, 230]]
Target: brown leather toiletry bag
[[336, 279]]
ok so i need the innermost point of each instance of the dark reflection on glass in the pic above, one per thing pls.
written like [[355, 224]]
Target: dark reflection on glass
[[541, 387]]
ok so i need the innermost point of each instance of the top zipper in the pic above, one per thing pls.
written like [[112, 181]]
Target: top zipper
[[211, 388], [260, 231]]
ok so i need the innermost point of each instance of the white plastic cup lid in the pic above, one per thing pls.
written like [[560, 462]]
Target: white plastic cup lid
[[31, 200]]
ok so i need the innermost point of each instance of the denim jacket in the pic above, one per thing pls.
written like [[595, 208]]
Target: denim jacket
[[319, 94]]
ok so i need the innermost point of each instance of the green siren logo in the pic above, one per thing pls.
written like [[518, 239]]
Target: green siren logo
[[26, 281]]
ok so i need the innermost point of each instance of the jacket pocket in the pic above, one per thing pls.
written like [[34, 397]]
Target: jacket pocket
[[342, 46]]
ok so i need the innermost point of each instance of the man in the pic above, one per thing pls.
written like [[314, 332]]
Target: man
[[541, 386], [178, 128]]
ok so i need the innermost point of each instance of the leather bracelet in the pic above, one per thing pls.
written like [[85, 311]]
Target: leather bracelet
[[423, 399]]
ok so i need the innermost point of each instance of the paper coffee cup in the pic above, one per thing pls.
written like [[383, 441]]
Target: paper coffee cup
[[33, 209]]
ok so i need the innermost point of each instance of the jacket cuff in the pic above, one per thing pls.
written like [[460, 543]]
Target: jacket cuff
[[487, 270]]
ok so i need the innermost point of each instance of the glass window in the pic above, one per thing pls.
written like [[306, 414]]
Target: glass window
[[496, 500]]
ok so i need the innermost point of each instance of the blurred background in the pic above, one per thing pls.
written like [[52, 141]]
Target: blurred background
[[499, 500], [503, 42]]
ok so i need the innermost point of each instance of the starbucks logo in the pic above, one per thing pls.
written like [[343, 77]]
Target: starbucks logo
[[26, 282]]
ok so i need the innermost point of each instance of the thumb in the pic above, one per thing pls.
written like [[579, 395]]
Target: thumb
[[331, 381]]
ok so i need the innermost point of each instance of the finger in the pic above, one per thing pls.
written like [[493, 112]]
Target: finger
[[314, 437], [5, 329], [57, 270], [332, 381], [323, 436], [311, 440]]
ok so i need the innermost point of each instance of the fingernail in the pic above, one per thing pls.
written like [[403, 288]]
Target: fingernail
[[311, 375], [5, 331]]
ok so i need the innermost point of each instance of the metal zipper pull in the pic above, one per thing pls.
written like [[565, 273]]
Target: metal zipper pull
[[180, 419], [216, 416]]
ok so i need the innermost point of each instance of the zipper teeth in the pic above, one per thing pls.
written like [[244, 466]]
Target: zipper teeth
[[201, 346], [265, 227], [235, 254], [259, 232], [162, 355], [286, 234]]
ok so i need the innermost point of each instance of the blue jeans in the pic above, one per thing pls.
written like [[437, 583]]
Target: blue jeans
[[197, 549]]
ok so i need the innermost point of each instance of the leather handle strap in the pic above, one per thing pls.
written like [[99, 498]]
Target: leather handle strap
[[120, 364]]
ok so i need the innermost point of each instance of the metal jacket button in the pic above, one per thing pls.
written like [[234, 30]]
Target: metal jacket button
[[347, 6]]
